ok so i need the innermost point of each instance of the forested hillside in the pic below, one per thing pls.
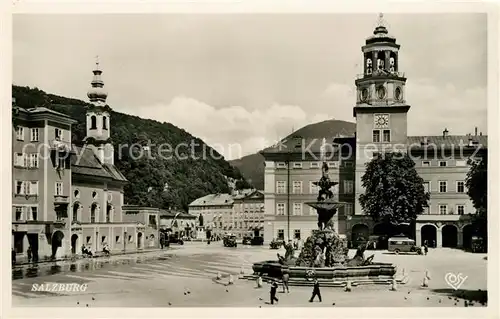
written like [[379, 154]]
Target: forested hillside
[[160, 182]]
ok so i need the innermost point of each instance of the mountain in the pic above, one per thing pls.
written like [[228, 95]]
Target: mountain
[[165, 182], [252, 166]]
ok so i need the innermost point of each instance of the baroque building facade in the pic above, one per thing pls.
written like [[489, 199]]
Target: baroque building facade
[[66, 195], [381, 112]]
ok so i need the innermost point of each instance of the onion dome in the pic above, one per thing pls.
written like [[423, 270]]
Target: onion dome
[[96, 94], [380, 34]]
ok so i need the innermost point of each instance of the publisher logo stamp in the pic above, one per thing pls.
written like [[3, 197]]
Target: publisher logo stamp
[[455, 281]]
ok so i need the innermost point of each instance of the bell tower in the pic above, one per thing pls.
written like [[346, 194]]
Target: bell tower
[[98, 119], [381, 109]]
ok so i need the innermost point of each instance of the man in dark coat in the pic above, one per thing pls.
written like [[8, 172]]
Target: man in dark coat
[[274, 288], [316, 291]]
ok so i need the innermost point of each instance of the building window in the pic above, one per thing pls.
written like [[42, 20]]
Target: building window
[[376, 136], [130, 239], [461, 163], [33, 188], [348, 209], [427, 187], [460, 187], [281, 234], [76, 207], [443, 209], [19, 213], [34, 135], [34, 213], [280, 165], [460, 209], [296, 234], [297, 209], [313, 188], [387, 136], [76, 193], [297, 165], [442, 186], [103, 239], [105, 122], [426, 163], [93, 122], [117, 239], [108, 214], [59, 134], [348, 187], [280, 187], [89, 238], [314, 165], [19, 160], [332, 165], [297, 187], [19, 188], [280, 209], [59, 189], [20, 133], [93, 208], [443, 163], [34, 160]]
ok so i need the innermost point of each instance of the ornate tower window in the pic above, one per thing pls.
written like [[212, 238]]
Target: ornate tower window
[[104, 122], [93, 122]]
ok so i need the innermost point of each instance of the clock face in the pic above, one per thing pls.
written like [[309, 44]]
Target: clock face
[[381, 120], [381, 92], [364, 94], [398, 94]]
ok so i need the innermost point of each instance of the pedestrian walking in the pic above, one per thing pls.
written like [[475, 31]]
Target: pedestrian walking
[[30, 254], [285, 278], [426, 249], [316, 291], [13, 255], [274, 288]]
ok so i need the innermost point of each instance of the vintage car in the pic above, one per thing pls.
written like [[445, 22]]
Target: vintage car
[[403, 245], [257, 241], [276, 244], [230, 241], [175, 239], [247, 240]]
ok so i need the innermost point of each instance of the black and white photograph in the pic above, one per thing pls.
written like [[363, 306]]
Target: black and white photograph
[[257, 160]]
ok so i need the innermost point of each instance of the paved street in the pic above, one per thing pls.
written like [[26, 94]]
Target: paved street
[[185, 277]]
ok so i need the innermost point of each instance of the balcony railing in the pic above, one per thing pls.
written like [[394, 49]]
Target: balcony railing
[[378, 73], [61, 199]]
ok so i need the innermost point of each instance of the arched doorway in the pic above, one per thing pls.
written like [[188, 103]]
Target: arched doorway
[[56, 241], [449, 234], [359, 234], [74, 243], [467, 233], [139, 240], [429, 235]]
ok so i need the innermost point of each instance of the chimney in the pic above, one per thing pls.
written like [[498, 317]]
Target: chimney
[[445, 132], [475, 131]]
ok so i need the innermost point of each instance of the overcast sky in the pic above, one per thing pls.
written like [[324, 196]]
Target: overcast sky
[[250, 79]]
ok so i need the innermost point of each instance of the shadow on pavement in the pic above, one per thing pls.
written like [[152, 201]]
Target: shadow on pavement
[[478, 295]]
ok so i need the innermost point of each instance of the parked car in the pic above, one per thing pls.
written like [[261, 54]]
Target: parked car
[[247, 240], [257, 241], [276, 244], [230, 241], [403, 245], [173, 239]]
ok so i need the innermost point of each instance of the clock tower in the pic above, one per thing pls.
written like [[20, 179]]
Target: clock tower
[[381, 109]]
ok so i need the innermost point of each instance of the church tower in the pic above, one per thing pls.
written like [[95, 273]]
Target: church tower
[[98, 120], [381, 109]]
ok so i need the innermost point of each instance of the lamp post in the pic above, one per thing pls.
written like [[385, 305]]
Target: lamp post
[[288, 194]]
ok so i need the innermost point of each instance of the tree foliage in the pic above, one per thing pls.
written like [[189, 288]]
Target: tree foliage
[[201, 173], [477, 188], [394, 192]]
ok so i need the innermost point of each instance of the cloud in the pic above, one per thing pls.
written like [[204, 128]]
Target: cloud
[[234, 131]]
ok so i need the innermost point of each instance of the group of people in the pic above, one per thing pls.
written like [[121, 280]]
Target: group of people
[[284, 280], [31, 253]]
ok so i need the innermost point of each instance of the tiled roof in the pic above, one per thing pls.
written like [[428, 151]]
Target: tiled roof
[[41, 109], [172, 213], [86, 163], [447, 142], [296, 145], [213, 200]]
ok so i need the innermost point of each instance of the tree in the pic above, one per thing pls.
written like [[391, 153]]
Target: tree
[[477, 189], [394, 192]]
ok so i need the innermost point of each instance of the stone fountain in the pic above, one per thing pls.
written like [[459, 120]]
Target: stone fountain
[[325, 254]]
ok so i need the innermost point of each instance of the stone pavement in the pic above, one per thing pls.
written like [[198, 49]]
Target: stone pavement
[[187, 279]]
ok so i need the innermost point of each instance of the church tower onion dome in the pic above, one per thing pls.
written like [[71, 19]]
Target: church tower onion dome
[[380, 34], [96, 94]]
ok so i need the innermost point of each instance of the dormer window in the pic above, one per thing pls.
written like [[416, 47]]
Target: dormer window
[[93, 122]]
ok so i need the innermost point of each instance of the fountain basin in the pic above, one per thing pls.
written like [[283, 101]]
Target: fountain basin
[[373, 273]]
